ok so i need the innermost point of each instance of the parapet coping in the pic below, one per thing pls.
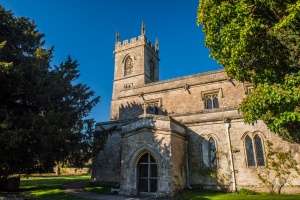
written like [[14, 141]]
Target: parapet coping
[[215, 110], [134, 41], [177, 79]]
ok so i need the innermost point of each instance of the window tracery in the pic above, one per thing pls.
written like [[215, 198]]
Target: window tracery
[[211, 101], [128, 66], [254, 151], [208, 151]]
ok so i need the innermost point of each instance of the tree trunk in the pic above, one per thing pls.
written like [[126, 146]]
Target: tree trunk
[[57, 170], [13, 183]]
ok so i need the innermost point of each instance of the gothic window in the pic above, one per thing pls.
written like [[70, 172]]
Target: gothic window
[[211, 101], [212, 153], [249, 151], [153, 108], [152, 69], [254, 151], [259, 151], [128, 66], [209, 157]]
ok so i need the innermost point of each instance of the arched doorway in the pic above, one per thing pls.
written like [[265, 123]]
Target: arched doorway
[[147, 174]]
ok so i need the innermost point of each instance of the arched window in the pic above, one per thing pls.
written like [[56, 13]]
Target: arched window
[[211, 101], [254, 151], [209, 157], [259, 151], [250, 151], [216, 102], [208, 103], [128, 66], [212, 153], [152, 69]]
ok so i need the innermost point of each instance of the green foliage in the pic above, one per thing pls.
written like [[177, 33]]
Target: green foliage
[[259, 42], [223, 178], [277, 105], [244, 191], [42, 108], [278, 170]]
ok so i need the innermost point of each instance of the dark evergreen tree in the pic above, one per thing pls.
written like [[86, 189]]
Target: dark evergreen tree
[[42, 109]]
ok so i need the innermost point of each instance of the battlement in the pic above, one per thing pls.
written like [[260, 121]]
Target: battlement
[[133, 42]]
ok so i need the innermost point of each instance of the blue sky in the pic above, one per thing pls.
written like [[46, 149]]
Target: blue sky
[[86, 29]]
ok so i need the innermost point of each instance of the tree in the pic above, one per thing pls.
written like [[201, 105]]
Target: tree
[[258, 42], [42, 109]]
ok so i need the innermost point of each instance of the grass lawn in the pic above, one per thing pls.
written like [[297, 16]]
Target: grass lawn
[[49, 187], [99, 189], [193, 195]]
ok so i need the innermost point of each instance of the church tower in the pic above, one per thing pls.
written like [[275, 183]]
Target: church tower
[[136, 62]]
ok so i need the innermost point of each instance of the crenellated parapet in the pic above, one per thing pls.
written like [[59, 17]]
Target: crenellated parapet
[[134, 42]]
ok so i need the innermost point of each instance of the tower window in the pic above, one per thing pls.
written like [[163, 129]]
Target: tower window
[[254, 151], [152, 69], [128, 66]]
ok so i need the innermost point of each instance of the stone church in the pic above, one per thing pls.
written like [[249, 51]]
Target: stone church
[[180, 133]]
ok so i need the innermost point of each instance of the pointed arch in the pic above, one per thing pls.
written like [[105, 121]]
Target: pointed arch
[[152, 67], [259, 152], [254, 149], [138, 153], [128, 68], [208, 149], [249, 151], [134, 162]]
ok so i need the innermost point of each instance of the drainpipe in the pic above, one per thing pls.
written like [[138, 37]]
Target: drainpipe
[[187, 165], [227, 125]]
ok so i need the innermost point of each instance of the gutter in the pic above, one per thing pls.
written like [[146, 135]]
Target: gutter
[[227, 125], [187, 165]]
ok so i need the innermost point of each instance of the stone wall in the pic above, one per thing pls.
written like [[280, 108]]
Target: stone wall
[[175, 97], [107, 163], [246, 177], [153, 135]]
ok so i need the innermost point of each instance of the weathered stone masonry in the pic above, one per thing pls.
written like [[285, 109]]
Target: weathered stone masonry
[[158, 118]]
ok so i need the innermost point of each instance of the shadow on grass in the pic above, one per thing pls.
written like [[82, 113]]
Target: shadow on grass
[[54, 194], [49, 187], [98, 189], [44, 183]]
